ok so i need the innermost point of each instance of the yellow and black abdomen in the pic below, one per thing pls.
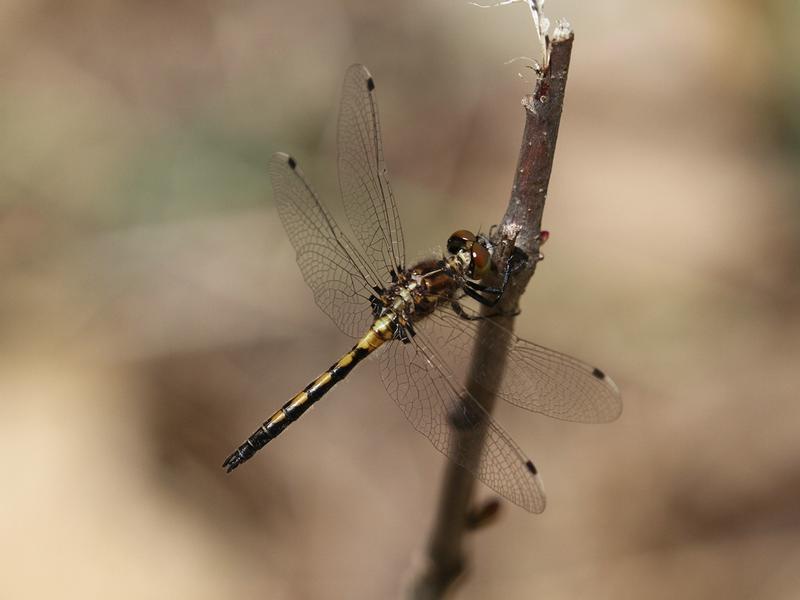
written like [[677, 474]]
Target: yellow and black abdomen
[[381, 331]]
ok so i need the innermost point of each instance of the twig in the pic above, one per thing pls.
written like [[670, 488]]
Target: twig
[[520, 227]]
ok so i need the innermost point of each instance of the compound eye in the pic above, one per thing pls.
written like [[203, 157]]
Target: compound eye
[[481, 261], [460, 240]]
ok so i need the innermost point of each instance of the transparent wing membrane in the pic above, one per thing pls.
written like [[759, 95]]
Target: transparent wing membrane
[[363, 178], [334, 270], [427, 375], [444, 412], [535, 378]]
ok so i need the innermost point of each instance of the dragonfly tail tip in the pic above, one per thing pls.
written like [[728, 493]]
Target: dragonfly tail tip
[[231, 462]]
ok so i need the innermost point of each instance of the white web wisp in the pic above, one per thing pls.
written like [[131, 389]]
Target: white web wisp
[[541, 23]]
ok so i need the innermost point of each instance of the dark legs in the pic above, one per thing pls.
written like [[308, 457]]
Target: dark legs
[[490, 296], [487, 295]]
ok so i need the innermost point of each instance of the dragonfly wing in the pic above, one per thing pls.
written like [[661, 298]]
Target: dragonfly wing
[[535, 378], [334, 270], [363, 177], [443, 411]]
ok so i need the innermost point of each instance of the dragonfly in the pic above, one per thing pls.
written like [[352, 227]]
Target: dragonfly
[[420, 317]]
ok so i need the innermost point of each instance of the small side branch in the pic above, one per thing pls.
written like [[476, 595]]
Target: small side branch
[[520, 227]]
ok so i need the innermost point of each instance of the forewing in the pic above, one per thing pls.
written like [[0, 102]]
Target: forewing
[[444, 412], [535, 378], [363, 178], [331, 266]]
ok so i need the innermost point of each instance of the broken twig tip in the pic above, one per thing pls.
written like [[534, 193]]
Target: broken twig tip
[[563, 31]]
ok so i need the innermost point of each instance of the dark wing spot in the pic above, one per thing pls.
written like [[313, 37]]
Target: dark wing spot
[[370, 84], [292, 163], [598, 373], [531, 468]]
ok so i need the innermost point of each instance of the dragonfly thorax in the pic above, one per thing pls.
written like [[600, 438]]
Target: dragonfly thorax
[[416, 292], [402, 299]]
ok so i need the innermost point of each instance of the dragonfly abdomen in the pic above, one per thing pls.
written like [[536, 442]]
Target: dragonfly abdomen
[[380, 332]]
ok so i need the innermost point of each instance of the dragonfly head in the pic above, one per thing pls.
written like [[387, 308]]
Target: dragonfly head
[[472, 252]]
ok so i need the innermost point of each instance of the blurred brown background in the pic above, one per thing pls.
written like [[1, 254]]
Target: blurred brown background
[[151, 313]]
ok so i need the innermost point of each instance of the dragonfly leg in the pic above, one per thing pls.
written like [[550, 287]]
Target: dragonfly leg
[[475, 294], [459, 310], [476, 290]]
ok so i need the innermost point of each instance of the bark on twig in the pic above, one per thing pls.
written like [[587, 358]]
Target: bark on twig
[[522, 226]]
